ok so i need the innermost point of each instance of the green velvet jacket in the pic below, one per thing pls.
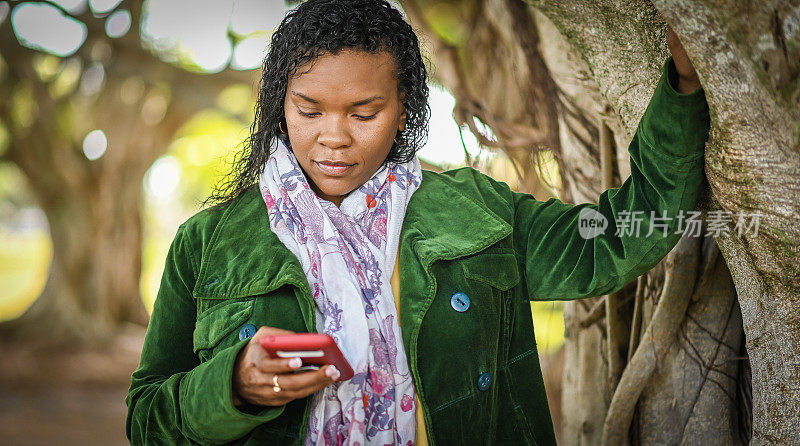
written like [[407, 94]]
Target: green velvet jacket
[[477, 371]]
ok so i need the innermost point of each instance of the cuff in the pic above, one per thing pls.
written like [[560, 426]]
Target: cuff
[[673, 78], [207, 400], [676, 124]]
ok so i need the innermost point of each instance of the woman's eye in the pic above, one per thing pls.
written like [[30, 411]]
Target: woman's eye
[[307, 115], [365, 118]]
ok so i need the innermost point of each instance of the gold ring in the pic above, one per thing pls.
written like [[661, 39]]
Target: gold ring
[[276, 387]]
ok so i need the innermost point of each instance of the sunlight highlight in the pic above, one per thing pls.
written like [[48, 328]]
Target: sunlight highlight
[[43, 27], [103, 6], [249, 53], [118, 24], [163, 177], [95, 144]]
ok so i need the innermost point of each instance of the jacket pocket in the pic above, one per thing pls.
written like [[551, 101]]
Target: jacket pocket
[[497, 269], [218, 327]]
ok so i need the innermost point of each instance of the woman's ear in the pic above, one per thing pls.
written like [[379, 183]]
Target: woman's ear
[[402, 125], [403, 114]]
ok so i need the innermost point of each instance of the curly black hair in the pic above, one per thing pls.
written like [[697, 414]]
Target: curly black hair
[[314, 28]]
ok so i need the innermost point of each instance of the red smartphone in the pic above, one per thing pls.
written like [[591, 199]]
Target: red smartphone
[[315, 349]]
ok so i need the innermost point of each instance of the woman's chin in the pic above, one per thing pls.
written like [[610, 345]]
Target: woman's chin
[[334, 193]]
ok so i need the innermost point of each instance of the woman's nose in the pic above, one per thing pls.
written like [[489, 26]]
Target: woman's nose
[[334, 133]]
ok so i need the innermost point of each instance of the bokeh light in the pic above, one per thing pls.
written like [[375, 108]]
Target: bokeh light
[[103, 6], [4, 9], [249, 53], [163, 177], [43, 27], [250, 16], [92, 79], [201, 33], [118, 23], [444, 141], [95, 144], [73, 6]]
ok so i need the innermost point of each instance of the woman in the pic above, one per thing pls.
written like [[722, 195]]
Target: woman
[[423, 279]]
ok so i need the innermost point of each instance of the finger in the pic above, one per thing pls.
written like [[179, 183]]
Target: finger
[[671, 36], [269, 365], [260, 390], [306, 391], [267, 331], [292, 386], [298, 382]]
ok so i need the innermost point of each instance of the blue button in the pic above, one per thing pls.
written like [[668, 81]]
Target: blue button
[[247, 332], [460, 302], [484, 381]]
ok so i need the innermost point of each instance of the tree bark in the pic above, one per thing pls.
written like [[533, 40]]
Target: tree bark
[[748, 56], [691, 396], [749, 70]]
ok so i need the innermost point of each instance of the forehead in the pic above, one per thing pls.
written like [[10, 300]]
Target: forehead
[[346, 75]]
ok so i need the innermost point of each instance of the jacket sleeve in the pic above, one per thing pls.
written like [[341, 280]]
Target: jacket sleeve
[[564, 260], [173, 398]]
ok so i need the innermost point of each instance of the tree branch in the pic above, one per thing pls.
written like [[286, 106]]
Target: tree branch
[[597, 312], [679, 284], [614, 323], [636, 325], [510, 135]]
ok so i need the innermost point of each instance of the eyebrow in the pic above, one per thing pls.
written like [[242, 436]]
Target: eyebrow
[[367, 101], [355, 104]]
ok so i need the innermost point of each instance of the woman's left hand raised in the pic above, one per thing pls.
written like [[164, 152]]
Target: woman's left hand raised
[[688, 79]]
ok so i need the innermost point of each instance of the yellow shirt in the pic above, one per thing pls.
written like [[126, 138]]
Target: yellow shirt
[[422, 432]]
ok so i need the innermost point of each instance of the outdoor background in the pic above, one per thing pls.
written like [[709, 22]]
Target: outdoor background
[[77, 398]]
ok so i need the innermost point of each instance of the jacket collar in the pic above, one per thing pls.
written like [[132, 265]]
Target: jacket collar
[[442, 223], [244, 257]]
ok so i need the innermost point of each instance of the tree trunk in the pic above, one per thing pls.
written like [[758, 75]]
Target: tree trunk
[[94, 207], [658, 394], [691, 396], [748, 57], [93, 285]]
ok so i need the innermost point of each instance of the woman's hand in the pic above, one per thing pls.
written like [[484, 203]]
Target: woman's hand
[[688, 79], [254, 375]]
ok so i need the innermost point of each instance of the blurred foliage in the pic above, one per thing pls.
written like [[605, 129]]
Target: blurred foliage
[[446, 20], [548, 325], [174, 189], [14, 192], [199, 158], [24, 263], [25, 247], [3, 140]]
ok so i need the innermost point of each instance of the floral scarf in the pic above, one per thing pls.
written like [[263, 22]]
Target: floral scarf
[[348, 255]]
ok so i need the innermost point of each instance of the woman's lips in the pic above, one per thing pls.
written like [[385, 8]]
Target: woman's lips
[[333, 168]]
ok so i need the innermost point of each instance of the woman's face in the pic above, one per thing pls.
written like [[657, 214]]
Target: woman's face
[[342, 116]]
